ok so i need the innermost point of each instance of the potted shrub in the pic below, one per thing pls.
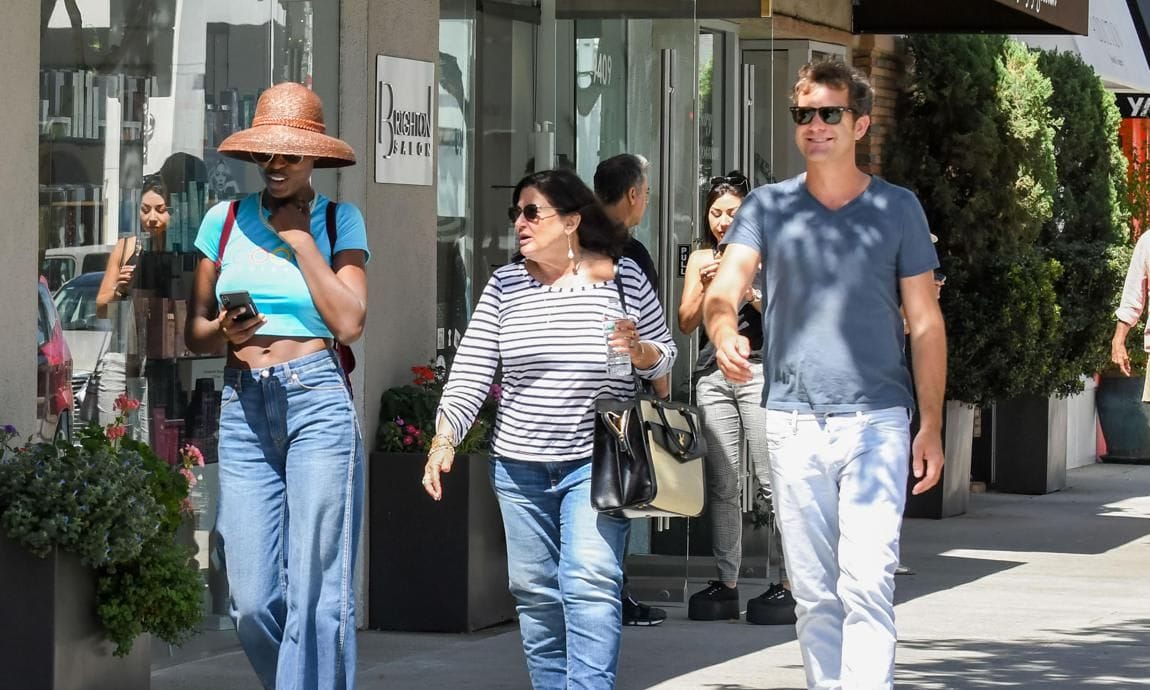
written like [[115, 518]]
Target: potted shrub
[[454, 548], [90, 559], [974, 141]]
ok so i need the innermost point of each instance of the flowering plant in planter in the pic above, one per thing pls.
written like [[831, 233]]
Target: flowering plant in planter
[[407, 415], [113, 502]]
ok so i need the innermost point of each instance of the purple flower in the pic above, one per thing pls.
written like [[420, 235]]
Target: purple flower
[[9, 429], [399, 421]]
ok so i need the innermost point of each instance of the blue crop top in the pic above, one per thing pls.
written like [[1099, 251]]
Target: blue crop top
[[257, 260]]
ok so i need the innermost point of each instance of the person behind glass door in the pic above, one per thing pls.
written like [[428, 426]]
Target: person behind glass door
[[622, 185], [121, 367], [839, 248], [541, 319], [732, 418], [291, 454]]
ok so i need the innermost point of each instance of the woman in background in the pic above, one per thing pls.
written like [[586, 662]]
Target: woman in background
[[121, 367], [732, 417]]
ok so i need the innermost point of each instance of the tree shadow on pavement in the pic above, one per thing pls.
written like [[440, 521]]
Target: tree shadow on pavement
[[1108, 656]]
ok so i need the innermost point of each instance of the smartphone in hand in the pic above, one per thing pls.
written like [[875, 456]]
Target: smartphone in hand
[[242, 301]]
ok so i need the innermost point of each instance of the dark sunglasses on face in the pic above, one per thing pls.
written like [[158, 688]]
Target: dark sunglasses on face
[[266, 158], [830, 114], [736, 181], [530, 212]]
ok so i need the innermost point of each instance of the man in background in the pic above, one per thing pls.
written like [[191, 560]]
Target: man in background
[[622, 186]]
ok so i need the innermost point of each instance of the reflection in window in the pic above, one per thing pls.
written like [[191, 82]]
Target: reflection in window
[[456, 289]]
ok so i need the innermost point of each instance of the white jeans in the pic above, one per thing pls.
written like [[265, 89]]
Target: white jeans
[[840, 485]]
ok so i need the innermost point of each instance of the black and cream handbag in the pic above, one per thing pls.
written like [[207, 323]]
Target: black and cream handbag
[[648, 457]]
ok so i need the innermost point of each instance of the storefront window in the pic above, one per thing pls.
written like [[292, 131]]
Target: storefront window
[[134, 98], [456, 291], [711, 116]]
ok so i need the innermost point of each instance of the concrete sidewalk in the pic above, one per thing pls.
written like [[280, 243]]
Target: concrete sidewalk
[[1022, 592]]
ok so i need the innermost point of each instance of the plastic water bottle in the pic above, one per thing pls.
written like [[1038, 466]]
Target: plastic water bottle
[[618, 363]]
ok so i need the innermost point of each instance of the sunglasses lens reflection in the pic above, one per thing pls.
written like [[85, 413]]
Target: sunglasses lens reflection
[[530, 212], [831, 115], [266, 158]]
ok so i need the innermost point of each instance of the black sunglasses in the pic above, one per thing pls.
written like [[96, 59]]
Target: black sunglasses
[[530, 212], [736, 181], [830, 114], [260, 158]]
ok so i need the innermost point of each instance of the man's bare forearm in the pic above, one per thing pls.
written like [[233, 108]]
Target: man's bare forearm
[[929, 357]]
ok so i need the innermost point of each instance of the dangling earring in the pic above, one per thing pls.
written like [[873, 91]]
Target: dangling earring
[[571, 257]]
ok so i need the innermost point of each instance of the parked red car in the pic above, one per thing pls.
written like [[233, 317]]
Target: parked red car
[[54, 399]]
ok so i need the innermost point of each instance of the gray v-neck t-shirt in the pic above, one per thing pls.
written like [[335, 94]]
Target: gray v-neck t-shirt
[[832, 331]]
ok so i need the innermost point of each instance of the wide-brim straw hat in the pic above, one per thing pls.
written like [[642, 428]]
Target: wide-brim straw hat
[[289, 121]]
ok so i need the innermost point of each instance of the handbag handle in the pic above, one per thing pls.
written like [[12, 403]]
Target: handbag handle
[[675, 436], [640, 384]]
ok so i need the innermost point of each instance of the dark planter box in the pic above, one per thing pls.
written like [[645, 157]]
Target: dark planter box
[[50, 638], [1030, 445], [1125, 419], [435, 566], [951, 495]]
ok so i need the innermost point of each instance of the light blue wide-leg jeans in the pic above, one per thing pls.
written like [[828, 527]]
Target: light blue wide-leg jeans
[[840, 485], [565, 569], [291, 497]]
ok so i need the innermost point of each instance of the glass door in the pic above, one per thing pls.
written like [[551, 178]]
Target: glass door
[[630, 85], [634, 90]]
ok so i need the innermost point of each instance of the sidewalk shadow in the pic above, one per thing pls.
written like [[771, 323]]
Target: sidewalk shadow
[[1101, 508], [1109, 656]]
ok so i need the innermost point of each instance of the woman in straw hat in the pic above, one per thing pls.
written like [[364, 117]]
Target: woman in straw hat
[[291, 454]]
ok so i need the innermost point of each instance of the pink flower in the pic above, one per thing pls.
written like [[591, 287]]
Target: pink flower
[[189, 476], [115, 431], [411, 429], [192, 455], [187, 507], [125, 404], [408, 440], [496, 392]]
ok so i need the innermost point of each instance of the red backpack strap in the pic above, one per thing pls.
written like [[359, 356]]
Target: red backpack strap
[[226, 233]]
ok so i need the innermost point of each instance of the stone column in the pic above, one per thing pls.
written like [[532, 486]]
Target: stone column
[[19, 111]]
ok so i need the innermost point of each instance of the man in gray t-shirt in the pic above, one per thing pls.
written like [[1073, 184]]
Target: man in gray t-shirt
[[840, 250]]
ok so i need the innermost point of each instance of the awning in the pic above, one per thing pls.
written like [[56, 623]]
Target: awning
[[662, 9], [1113, 47], [972, 16]]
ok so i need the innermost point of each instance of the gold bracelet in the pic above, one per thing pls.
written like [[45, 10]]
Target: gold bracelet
[[441, 441]]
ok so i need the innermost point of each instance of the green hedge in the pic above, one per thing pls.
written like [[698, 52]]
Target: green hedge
[[1014, 155]]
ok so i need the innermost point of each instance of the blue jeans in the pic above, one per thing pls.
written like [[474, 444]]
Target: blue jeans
[[291, 498], [565, 569], [840, 485]]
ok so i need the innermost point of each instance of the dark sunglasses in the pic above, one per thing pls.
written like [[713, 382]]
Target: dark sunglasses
[[939, 277], [530, 212], [736, 181], [830, 114], [266, 158]]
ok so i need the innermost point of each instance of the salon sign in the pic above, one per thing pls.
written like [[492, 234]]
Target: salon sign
[[405, 121]]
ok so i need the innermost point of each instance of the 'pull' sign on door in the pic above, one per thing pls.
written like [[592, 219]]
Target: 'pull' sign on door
[[405, 121]]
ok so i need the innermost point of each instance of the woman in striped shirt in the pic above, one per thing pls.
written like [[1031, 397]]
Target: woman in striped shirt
[[541, 319]]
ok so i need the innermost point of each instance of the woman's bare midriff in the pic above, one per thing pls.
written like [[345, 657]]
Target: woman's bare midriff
[[268, 350]]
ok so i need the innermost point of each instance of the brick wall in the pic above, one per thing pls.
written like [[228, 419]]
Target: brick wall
[[878, 58]]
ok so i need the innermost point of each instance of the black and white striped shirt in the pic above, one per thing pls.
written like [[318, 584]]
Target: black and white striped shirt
[[550, 342]]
